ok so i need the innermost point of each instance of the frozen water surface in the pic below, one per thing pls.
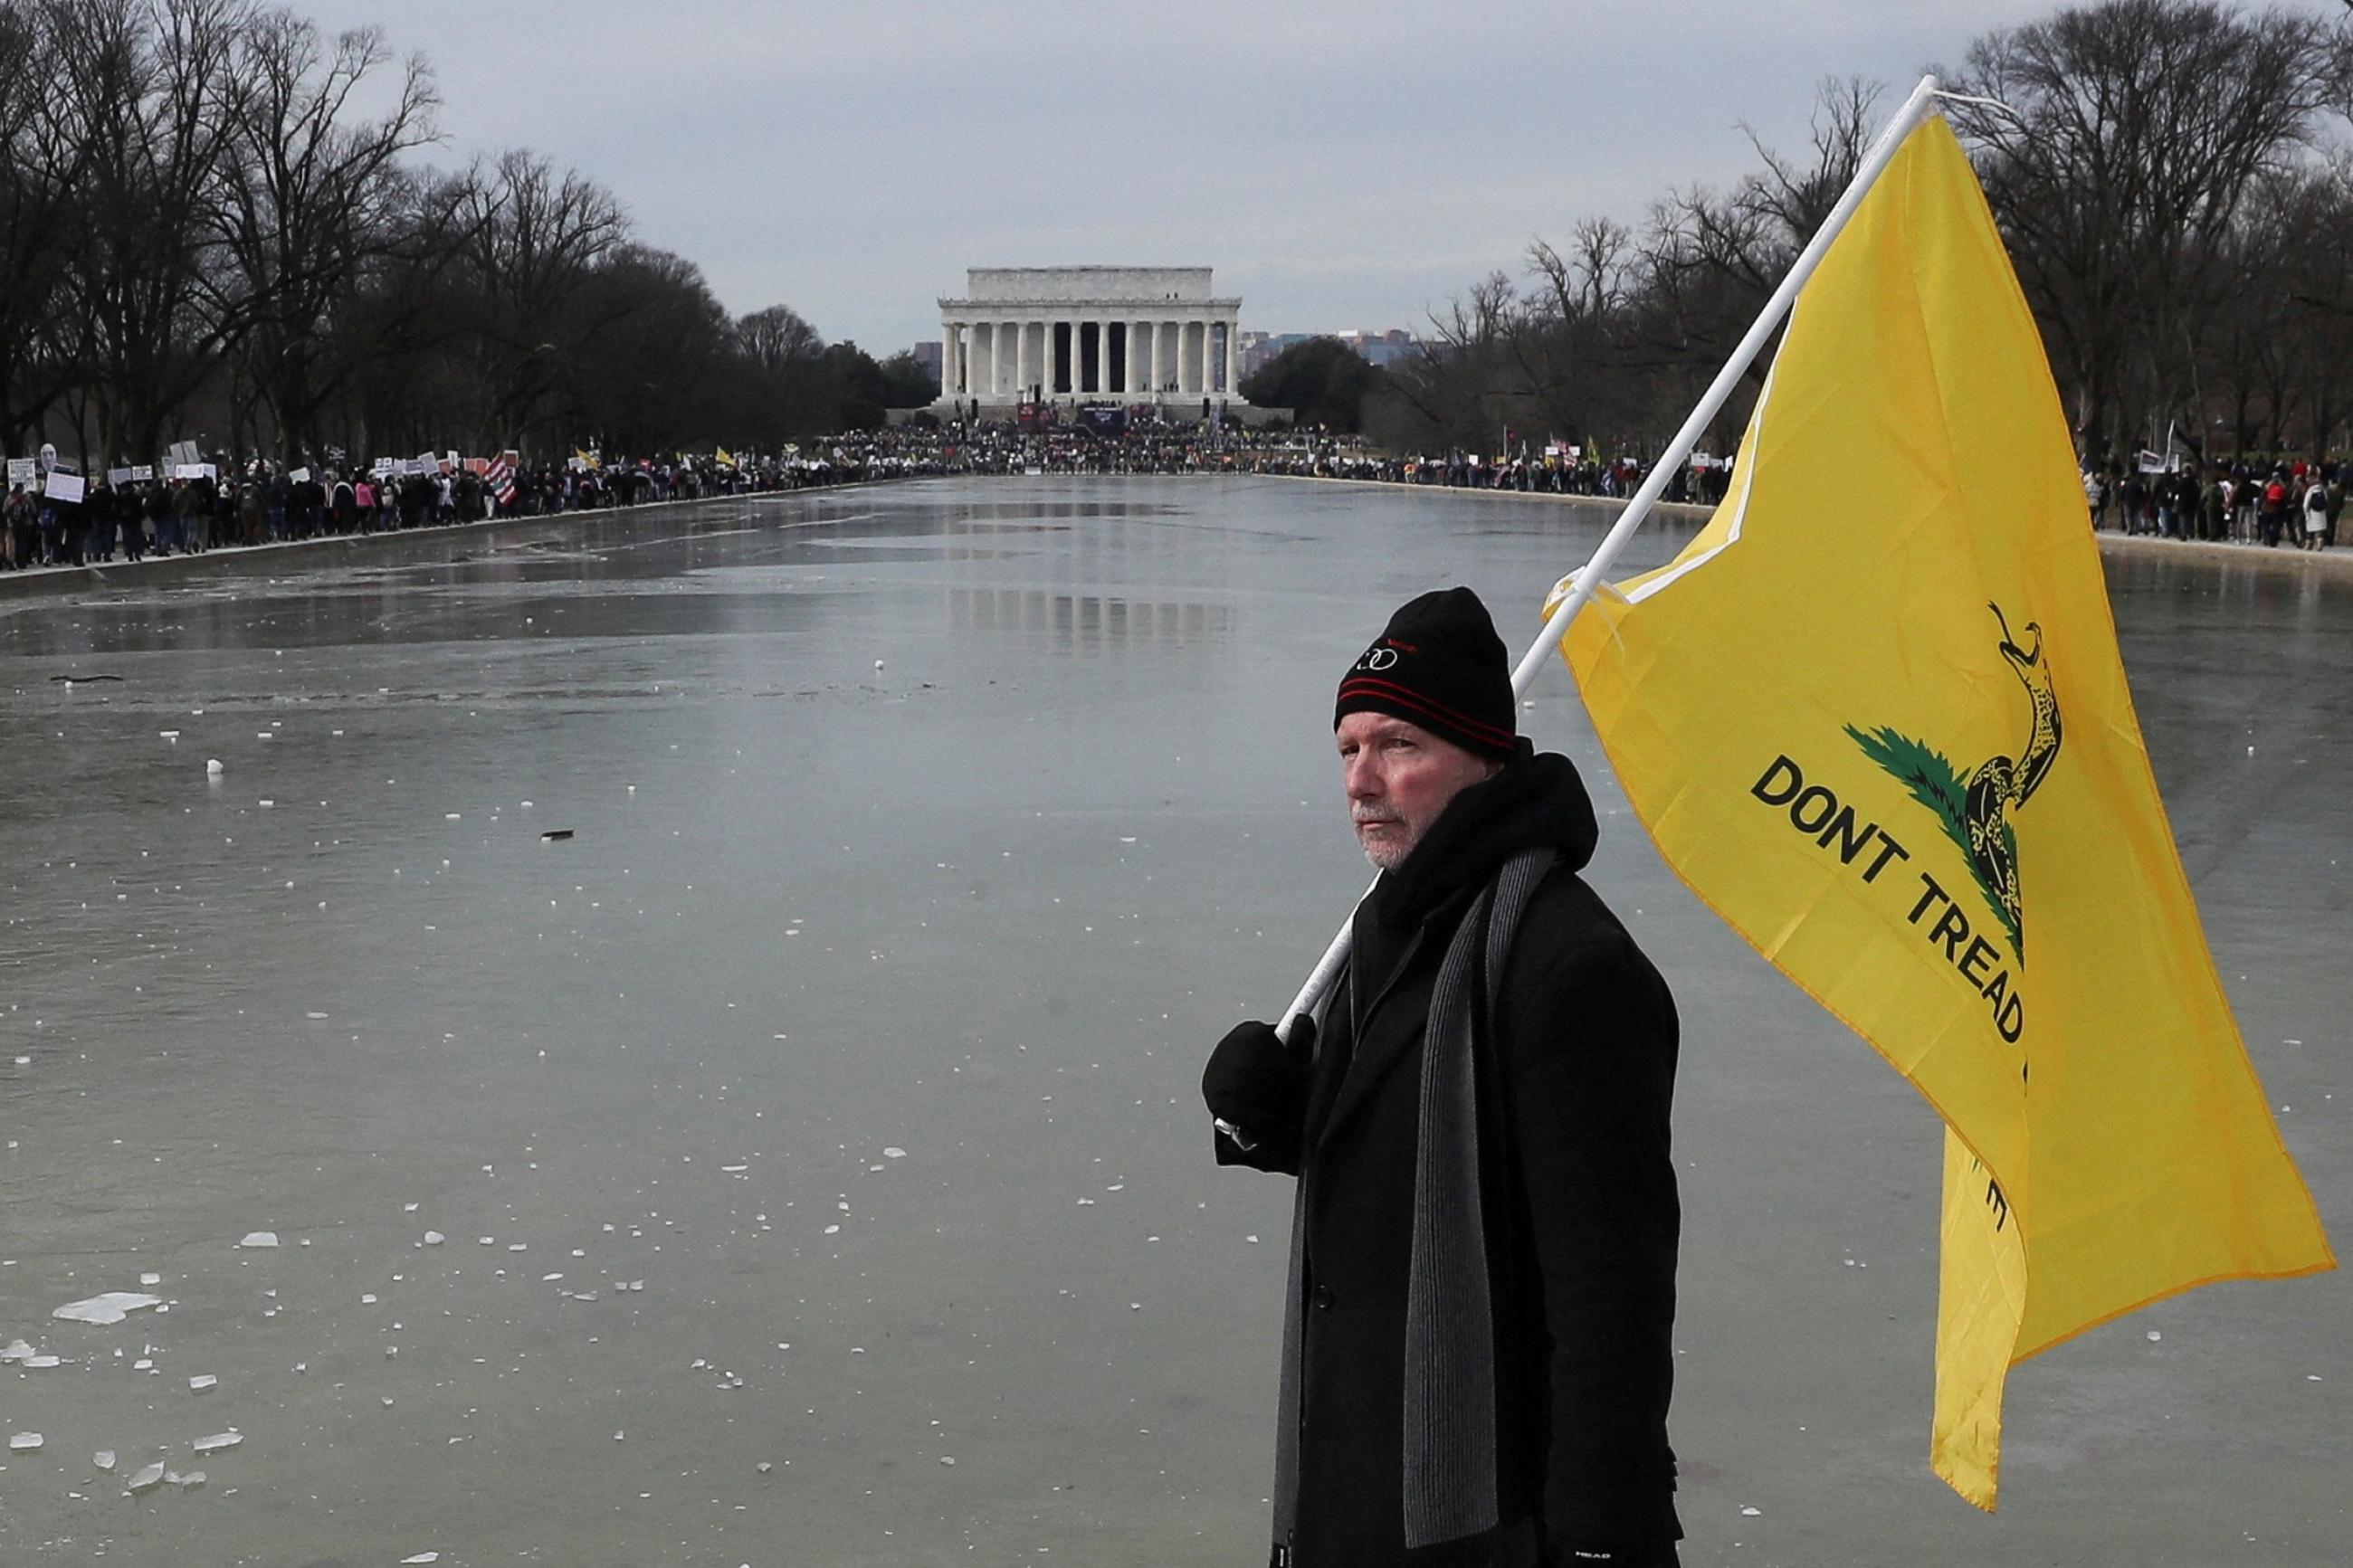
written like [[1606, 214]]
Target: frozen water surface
[[955, 819]]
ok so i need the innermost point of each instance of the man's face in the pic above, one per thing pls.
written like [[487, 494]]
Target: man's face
[[1398, 778]]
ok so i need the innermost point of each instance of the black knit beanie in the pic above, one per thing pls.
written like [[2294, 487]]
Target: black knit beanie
[[1437, 664]]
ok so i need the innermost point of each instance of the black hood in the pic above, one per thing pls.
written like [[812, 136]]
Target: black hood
[[1536, 799]]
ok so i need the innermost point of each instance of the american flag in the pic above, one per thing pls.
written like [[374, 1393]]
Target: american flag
[[498, 479]]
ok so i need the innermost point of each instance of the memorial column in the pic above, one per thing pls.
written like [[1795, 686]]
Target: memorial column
[[947, 359], [1233, 384]]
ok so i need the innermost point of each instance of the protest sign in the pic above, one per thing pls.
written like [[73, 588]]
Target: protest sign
[[64, 489]]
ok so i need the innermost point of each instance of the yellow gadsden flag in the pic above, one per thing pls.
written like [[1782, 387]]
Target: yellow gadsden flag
[[1875, 715]]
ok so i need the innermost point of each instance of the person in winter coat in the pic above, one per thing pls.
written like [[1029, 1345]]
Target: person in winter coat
[[1477, 1353]]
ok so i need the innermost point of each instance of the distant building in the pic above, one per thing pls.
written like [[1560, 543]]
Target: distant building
[[1260, 349], [1146, 334], [927, 354], [1380, 348]]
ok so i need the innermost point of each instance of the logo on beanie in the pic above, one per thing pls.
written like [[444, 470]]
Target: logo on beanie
[[1378, 656]]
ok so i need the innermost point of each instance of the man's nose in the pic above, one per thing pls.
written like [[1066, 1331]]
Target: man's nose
[[1359, 778]]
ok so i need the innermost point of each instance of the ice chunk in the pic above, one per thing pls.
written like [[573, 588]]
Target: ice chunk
[[26, 1443], [151, 1280], [203, 1381], [193, 1479], [895, 1153], [218, 1441], [40, 1362], [103, 1459], [147, 1478], [15, 1350], [213, 768], [111, 1308], [259, 1239], [421, 1557], [434, 1238]]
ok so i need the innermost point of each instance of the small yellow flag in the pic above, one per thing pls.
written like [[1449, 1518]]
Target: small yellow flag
[[1875, 715], [722, 455]]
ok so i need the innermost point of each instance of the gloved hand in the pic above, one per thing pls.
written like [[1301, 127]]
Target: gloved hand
[[1255, 1081]]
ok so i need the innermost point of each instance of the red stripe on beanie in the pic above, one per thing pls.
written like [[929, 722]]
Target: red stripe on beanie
[[1407, 696]]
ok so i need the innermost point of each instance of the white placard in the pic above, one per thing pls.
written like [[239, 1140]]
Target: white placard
[[118, 477], [64, 486], [299, 476], [21, 471], [141, 473]]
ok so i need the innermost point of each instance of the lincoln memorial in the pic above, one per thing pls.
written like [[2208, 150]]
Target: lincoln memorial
[[1132, 334]]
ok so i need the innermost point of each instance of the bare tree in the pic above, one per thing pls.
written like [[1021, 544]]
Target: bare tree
[[37, 174], [2132, 132], [309, 198], [138, 89], [535, 235]]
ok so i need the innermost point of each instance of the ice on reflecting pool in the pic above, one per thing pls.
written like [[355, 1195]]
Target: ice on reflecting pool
[[111, 1308]]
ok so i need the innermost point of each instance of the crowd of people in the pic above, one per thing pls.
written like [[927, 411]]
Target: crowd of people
[[2290, 503], [220, 506], [265, 504]]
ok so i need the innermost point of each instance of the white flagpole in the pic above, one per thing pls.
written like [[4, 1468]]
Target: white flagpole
[[1915, 109]]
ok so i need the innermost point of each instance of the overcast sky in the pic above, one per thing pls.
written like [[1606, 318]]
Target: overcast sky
[[1340, 164]]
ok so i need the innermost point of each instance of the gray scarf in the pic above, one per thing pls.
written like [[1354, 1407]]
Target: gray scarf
[[1450, 1330]]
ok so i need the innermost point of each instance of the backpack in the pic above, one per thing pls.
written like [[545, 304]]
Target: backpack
[[2275, 495]]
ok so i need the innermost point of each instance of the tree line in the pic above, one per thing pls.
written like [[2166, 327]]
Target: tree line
[[2175, 184], [203, 237]]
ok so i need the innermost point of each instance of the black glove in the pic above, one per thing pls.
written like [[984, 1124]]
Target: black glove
[[1257, 1083]]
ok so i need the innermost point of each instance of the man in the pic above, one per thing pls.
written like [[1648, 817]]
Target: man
[[1477, 1357]]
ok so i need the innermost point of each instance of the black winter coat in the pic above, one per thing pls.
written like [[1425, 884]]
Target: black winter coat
[[1575, 1077]]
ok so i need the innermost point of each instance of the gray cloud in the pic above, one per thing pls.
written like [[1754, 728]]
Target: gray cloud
[[1339, 164]]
